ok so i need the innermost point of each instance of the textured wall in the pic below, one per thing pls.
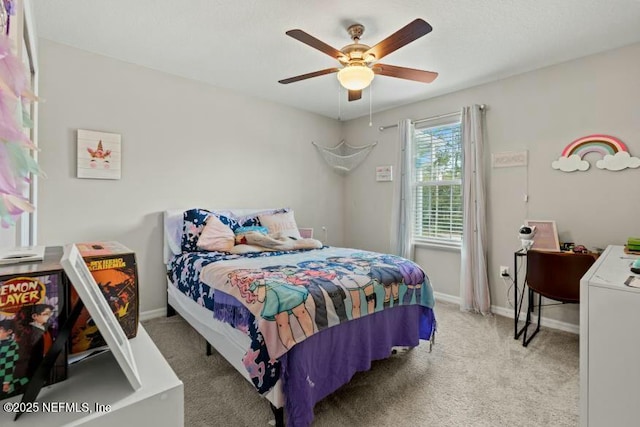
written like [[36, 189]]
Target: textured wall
[[184, 144], [542, 112]]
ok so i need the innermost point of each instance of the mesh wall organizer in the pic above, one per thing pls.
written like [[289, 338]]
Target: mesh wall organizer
[[343, 158]]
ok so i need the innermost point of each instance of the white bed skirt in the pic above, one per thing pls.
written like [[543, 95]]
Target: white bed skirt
[[231, 343]]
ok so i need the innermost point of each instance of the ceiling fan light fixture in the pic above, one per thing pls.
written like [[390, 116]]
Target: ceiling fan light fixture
[[359, 62], [355, 77], [369, 57]]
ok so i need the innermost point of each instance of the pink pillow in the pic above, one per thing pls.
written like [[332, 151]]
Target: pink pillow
[[216, 236], [283, 224]]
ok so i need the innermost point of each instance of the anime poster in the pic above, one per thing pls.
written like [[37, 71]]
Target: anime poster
[[99, 155], [31, 313], [116, 276]]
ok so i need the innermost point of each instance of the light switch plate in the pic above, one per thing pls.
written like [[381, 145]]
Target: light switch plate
[[384, 173]]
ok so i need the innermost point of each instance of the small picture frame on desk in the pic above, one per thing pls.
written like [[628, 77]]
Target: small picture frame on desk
[[546, 235]]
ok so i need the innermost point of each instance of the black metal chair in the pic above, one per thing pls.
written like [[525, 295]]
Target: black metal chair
[[553, 275]]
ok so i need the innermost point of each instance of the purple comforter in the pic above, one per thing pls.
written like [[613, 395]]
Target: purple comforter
[[355, 345]]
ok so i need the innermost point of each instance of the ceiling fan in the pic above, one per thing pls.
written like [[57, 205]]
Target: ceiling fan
[[359, 61]]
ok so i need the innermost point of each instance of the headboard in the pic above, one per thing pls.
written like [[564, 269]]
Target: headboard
[[173, 228]]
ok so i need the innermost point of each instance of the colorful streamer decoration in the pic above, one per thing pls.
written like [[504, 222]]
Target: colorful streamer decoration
[[7, 10], [17, 165]]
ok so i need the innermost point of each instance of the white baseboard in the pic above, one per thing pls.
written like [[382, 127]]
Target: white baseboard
[[151, 314], [447, 298], [508, 312], [501, 311]]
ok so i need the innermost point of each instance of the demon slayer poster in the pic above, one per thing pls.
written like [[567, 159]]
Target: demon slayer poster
[[31, 313]]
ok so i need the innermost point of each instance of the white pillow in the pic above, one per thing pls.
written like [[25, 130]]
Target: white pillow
[[216, 236], [173, 232], [281, 223]]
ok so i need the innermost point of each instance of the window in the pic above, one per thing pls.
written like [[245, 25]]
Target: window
[[438, 183]]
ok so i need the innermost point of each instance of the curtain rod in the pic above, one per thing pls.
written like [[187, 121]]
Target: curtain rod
[[441, 116]]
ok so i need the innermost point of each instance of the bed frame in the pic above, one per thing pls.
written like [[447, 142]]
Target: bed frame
[[229, 342]]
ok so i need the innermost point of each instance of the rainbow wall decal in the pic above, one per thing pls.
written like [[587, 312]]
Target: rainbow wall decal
[[615, 155], [603, 144]]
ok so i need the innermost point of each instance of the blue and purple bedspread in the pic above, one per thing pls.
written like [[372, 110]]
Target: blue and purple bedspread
[[292, 304]]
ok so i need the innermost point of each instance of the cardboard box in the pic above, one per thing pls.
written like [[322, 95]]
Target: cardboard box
[[114, 268]]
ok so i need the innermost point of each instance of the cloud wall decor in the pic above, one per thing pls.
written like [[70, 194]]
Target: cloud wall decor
[[615, 155]]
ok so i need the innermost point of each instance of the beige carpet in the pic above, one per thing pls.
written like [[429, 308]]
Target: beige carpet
[[477, 375]]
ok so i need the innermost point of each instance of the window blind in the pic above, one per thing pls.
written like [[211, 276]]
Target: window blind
[[438, 183]]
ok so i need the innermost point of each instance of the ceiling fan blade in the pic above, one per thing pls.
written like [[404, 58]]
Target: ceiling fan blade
[[308, 75], [405, 35], [354, 95], [315, 43], [405, 73]]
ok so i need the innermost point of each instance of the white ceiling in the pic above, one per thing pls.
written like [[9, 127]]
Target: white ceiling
[[241, 44]]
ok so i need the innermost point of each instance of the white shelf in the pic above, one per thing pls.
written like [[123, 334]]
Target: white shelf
[[609, 345], [159, 403]]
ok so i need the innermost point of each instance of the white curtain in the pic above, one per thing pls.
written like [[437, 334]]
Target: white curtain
[[402, 209], [474, 282]]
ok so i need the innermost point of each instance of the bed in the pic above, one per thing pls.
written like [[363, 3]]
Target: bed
[[296, 321]]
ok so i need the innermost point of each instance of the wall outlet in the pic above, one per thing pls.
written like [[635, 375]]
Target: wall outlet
[[504, 271]]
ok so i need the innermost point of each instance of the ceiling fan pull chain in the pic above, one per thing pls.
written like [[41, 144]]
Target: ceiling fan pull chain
[[370, 102], [339, 103]]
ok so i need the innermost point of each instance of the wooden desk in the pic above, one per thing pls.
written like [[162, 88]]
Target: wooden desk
[[517, 305]]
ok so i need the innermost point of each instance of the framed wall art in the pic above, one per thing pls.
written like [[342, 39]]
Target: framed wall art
[[546, 235], [99, 155]]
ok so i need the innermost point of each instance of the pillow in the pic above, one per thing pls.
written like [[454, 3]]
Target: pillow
[[281, 223], [230, 222], [240, 232], [258, 228], [252, 219], [216, 236], [193, 223], [173, 233]]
